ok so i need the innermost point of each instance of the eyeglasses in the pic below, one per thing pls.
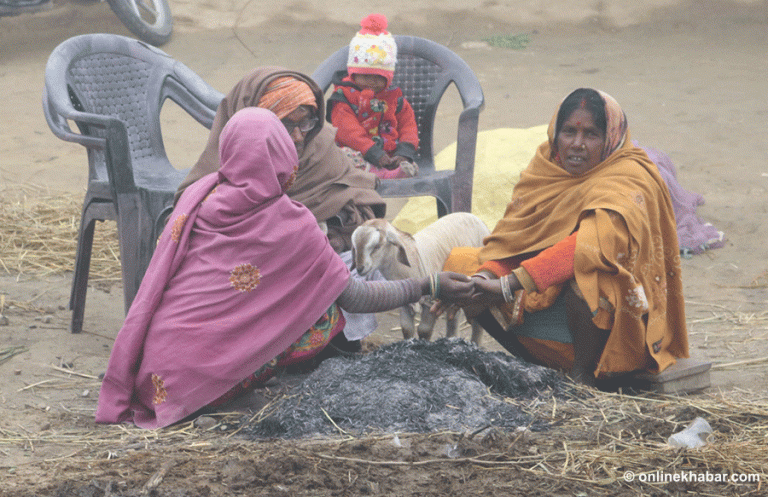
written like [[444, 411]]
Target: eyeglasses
[[305, 126]]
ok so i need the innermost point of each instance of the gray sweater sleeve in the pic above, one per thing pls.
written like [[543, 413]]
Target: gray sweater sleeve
[[377, 296]]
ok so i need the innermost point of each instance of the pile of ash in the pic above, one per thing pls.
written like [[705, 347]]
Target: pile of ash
[[410, 386]]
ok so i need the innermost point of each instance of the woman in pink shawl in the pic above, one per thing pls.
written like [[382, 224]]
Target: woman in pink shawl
[[243, 280]]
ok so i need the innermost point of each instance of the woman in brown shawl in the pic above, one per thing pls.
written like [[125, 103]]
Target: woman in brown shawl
[[583, 271], [339, 195]]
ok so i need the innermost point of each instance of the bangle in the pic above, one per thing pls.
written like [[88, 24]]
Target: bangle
[[434, 285], [506, 290]]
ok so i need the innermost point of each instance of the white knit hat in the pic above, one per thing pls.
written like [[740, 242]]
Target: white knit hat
[[373, 49]]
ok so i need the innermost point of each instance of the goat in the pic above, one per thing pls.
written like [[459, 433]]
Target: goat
[[376, 244]]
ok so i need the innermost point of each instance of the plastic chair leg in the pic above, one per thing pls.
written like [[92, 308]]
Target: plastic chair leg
[[80, 276], [444, 199], [442, 208], [95, 210], [137, 241], [129, 233]]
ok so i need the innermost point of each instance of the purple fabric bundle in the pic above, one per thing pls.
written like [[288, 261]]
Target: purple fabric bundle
[[694, 235]]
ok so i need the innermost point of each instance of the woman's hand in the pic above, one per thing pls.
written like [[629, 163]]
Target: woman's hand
[[454, 287], [454, 297], [451, 288], [486, 292]]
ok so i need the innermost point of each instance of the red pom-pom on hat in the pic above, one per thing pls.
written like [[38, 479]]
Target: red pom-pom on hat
[[374, 24]]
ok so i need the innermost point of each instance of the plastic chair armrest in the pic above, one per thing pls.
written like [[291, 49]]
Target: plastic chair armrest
[[57, 116], [466, 141], [194, 95]]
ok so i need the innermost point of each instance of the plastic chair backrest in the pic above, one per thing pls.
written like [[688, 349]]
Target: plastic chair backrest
[[424, 71], [113, 88], [118, 82]]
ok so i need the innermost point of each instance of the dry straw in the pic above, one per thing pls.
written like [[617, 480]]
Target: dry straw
[[39, 231], [595, 439]]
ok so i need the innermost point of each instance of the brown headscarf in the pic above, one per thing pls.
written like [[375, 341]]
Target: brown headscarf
[[327, 182], [627, 251]]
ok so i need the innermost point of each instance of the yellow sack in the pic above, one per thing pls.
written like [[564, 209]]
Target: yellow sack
[[500, 157]]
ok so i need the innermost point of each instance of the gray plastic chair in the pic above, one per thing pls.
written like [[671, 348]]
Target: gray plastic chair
[[113, 88], [424, 71]]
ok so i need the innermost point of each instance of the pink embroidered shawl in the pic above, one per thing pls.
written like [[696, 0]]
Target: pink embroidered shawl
[[240, 273]]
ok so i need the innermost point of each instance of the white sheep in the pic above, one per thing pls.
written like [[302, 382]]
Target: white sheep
[[376, 244]]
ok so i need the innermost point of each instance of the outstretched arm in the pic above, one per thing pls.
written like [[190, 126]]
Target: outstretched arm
[[378, 296]]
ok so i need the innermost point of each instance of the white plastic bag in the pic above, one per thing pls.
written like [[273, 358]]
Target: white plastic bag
[[695, 435]]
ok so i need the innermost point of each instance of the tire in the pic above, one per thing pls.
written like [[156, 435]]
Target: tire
[[150, 20]]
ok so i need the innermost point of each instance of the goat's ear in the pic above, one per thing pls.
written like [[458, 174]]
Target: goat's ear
[[402, 257], [354, 259]]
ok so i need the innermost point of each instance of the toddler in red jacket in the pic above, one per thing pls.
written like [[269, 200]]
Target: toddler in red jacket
[[374, 121]]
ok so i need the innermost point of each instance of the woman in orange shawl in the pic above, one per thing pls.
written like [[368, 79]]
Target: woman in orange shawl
[[583, 271]]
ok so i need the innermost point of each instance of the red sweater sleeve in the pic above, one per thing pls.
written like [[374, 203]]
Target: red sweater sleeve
[[549, 267], [552, 265], [350, 133], [502, 267]]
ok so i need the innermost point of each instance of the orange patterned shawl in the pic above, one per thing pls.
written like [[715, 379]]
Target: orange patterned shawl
[[627, 261]]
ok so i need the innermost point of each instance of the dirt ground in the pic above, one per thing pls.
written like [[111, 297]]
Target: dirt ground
[[692, 81]]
